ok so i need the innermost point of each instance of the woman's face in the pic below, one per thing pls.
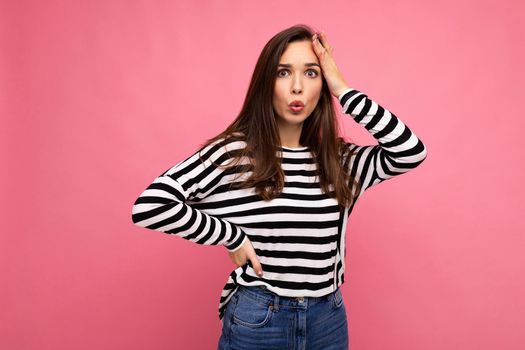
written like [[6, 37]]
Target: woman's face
[[298, 77]]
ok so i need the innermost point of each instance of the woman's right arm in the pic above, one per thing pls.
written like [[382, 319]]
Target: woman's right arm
[[162, 205]]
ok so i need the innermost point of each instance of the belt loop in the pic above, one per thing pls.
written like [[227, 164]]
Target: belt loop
[[276, 302]]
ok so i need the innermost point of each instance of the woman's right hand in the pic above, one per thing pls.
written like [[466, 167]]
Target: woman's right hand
[[245, 253]]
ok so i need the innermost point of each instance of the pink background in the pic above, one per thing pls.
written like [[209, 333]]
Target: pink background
[[99, 97]]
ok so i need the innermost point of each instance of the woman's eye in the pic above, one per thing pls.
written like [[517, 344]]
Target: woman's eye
[[286, 70], [279, 72], [313, 71]]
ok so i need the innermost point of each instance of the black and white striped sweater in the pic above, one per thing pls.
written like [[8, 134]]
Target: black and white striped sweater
[[299, 236]]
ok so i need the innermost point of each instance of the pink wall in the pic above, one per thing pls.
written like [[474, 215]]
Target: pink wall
[[99, 97]]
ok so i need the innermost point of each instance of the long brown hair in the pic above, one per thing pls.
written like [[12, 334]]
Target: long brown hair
[[256, 125]]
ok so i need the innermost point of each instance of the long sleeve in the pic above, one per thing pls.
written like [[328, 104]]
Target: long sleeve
[[399, 149], [163, 205]]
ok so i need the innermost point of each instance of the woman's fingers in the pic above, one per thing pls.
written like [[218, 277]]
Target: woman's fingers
[[256, 265], [323, 39], [255, 261], [247, 252], [321, 48], [318, 47]]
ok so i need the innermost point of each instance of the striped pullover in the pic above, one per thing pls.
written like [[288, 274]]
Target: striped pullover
[[299, 236]]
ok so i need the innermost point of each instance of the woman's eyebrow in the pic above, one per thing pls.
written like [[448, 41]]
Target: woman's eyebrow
[[309, 64]]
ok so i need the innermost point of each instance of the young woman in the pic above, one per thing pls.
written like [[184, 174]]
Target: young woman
[[276, 189]]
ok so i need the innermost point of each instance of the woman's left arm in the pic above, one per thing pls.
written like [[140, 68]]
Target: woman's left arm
[[399, 148]]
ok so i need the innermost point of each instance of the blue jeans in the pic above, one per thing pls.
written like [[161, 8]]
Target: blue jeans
[[256, 318]]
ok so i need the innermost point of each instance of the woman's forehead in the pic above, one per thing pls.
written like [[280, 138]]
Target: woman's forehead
[[299, 54]]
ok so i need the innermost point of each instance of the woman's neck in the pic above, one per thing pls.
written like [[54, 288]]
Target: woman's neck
[[290, 135]]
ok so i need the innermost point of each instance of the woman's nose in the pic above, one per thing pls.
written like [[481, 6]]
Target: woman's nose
[[297, 86]]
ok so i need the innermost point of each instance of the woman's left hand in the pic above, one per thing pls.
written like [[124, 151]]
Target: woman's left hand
[[334, 78]]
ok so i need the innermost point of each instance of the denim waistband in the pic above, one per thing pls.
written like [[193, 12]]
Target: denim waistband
[[266, 296]]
